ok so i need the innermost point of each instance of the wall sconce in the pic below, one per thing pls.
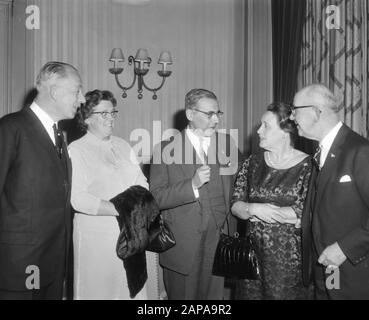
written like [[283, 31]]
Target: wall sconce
[[141, 64]]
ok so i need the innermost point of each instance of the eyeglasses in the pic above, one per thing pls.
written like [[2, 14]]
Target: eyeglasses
[[104, 114], [293, 108], [210, 114]]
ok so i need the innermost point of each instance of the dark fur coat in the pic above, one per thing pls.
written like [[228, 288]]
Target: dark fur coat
[[137, 210]]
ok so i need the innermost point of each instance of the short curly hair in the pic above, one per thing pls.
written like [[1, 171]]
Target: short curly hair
[[283, 112], [93, 98]]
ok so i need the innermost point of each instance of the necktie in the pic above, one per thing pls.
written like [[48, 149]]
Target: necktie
[[317, 156], [58, 134], [203, 151]]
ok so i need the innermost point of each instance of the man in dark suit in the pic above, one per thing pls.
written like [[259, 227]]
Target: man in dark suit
[[338, 210], [191, 179], [35, 174]]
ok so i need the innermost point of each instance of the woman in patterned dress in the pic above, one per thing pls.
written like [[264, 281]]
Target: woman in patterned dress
[[270, 191]]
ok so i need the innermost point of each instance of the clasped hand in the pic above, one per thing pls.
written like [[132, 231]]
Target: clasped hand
[[271, 213], [266, 212]]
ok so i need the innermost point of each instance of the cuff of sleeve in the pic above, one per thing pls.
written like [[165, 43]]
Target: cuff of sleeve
[[95, 205], [196, 192], [355, 255]]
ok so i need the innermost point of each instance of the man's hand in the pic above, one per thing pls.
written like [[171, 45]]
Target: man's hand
[[201, 176], [332, 256]]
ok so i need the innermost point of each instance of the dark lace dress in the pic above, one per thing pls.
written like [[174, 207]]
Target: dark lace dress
[[279, 245]]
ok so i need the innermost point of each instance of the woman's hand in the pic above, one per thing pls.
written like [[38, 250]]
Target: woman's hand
[[107, 209], [240, 210], [266, 212], [287, 215]]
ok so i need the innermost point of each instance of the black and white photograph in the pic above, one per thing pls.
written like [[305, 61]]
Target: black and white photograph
[[183, 155]]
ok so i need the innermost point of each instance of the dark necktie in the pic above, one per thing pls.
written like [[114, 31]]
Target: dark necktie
[[317, 156], [58, 134]]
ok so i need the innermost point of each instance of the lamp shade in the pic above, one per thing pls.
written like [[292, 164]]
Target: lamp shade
[[117, 55], [165, 57], [142, 55]]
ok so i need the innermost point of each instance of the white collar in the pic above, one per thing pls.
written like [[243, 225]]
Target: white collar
[[195, 140], [45, 119], [327, 142]]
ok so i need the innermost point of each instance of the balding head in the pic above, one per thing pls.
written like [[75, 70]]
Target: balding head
[[319, 95], [59, 90], [316, 111], [53, 71]]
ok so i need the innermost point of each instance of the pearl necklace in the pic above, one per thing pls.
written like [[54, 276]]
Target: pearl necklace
[[282, 164]]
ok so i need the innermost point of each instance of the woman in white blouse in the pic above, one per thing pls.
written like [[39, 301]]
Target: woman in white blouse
[[103, 166]]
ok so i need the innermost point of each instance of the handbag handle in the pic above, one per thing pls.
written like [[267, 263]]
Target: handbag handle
[[236, 234]]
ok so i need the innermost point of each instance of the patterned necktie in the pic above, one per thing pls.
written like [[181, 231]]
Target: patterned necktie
[[58, 134], [317, 155]]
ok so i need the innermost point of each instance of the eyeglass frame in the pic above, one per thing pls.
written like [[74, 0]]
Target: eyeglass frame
[[210, 114], [104, 114], [293, 108]]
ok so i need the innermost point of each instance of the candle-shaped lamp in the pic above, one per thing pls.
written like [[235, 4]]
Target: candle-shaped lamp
[[142, 56], [164, 59], [116, 56]]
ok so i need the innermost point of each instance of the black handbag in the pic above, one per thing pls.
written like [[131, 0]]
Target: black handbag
[[236, 257], [161, 237]]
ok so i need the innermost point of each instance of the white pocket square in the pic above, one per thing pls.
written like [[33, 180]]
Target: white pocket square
[[345, 178]]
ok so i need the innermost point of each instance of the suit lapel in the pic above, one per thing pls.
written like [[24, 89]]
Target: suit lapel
[[39, 134], [189, 167], [330, 164], [189, 155]]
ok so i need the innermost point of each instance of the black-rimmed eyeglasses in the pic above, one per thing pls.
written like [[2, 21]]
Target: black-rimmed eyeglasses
[[104, 114], [211, 114], [294, 108]]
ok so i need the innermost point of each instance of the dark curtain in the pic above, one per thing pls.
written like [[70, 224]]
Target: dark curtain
[[288, 18]]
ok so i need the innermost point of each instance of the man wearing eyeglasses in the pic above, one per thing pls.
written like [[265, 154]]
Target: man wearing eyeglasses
[[337, 209], [193, 194]]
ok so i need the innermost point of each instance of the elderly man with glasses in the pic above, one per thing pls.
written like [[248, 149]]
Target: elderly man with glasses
[[336, 218], [193, 194]]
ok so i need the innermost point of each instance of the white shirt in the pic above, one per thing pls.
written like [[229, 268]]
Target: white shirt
[[199, 144], [45, 119], [327, 142]]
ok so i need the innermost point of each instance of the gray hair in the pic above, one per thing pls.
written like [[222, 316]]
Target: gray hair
[[325, 96], [194, 95], [55, 69]]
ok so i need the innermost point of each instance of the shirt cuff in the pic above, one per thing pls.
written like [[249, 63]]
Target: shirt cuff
[[196, 192]]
